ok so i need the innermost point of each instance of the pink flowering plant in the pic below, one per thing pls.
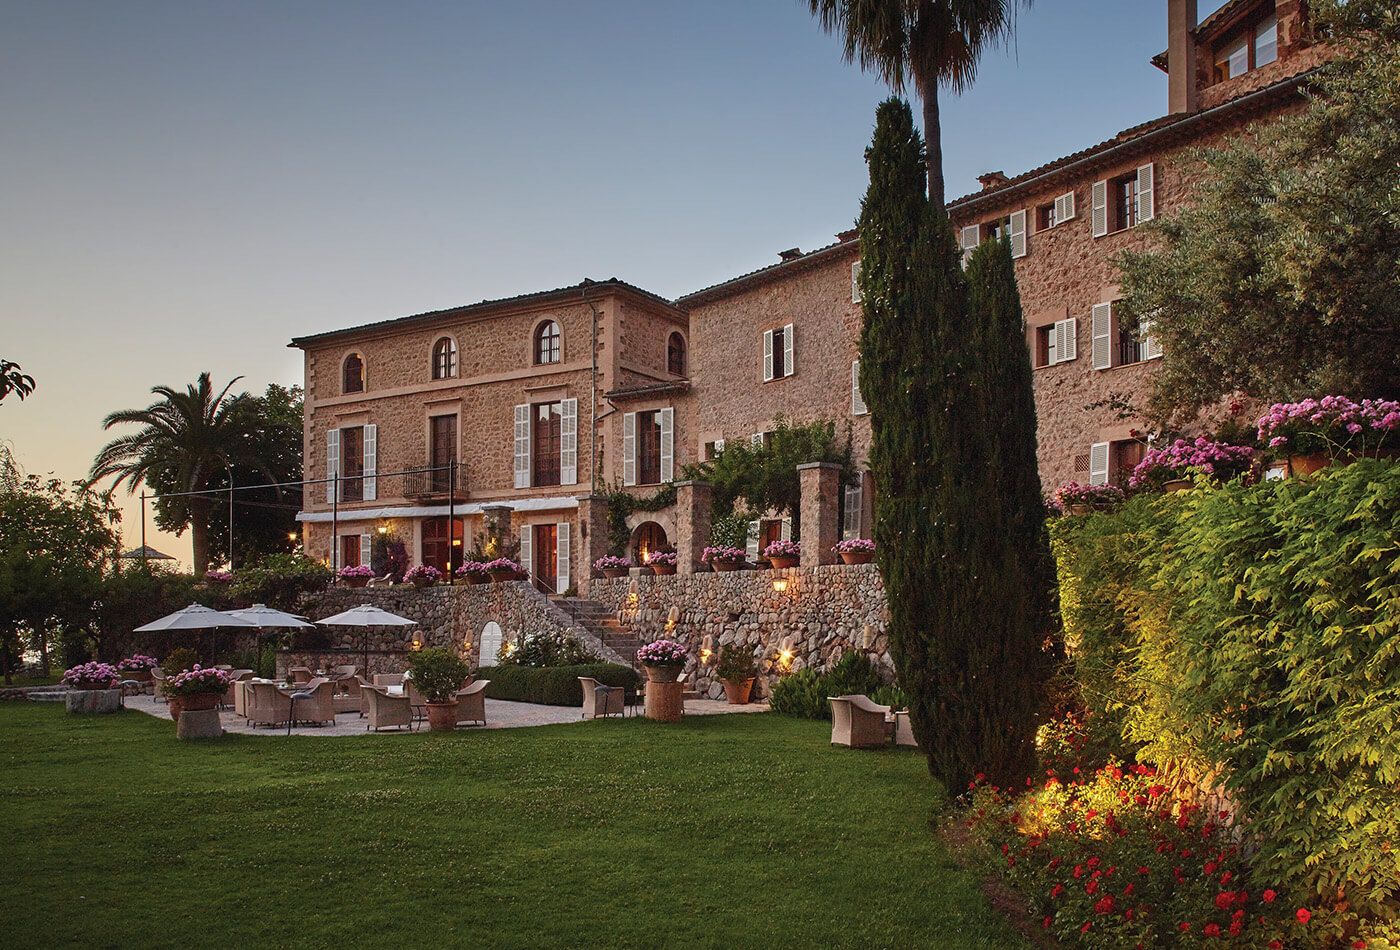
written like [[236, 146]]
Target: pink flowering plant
[[855, 546], [1332, 425], [664, 558], [471, 569], [783, 549], [359, 570], [723, 552], [1184, 458], [137, 661], [94, 675], [503, 565], [611, 562], [198, 680], [425, 573], [1102, 497], [663, 653], [218, 577]]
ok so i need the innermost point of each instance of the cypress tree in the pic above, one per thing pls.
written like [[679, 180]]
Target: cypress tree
[[952, 435]]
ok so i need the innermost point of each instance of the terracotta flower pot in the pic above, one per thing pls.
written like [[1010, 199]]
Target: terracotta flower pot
[[613, 573], [423, 582], [442, 717], [500, 577], [857, 557], [737, 691], [355, 581], [478, 578], [175, 705], [1176, 484], [663, 674], [726, 565], [141, 676], [782, 563], [195, 701], [1308, 464], [663, 570]]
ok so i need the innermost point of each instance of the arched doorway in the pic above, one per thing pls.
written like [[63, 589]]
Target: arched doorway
[[647, 538], [490, 643]]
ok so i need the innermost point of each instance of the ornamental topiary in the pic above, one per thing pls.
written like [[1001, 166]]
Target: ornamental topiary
[[438, 674]]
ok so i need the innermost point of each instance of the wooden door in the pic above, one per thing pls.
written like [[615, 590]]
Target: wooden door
[[546, 556]]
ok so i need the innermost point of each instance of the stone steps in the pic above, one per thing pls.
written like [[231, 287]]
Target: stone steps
[[603, 624]]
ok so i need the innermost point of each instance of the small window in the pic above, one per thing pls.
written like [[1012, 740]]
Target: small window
[[1045, 217], [352, 377], [547, 343], [712, 450], [445, 358], [675, 355], [1234, 59], [855, 282], [1123, 194], [1045, 345], [548, 435], [778, 362], [649, 447], [1266, 41]]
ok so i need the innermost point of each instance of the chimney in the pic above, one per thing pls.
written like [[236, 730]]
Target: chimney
[[992, 179], [1181, 56], [791, 254]]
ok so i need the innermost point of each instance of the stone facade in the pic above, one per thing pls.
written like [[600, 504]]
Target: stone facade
[[820, 614]]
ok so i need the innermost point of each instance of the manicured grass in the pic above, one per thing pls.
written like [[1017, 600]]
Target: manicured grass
[[31, 679], [722, 831]]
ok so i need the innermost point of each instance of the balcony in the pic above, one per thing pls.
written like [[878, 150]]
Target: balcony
[[433, 483]]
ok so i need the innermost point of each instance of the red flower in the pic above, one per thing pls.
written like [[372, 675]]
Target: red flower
[[1057, 890], [1144, 870], [1211, 930], [1227, 877], [1087, 925], [1209, 868], [1236, 928], [1091, 887], [1275, 945], [1184, 927], [1269, 895], [1078, 870], [1093, 862], [1224, 899], [1104, 906], [1304, 915], [1046, 923], [1055, 862], [1358, 944]]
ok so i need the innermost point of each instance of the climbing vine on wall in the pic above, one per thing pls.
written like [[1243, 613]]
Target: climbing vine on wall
[[622, 504]]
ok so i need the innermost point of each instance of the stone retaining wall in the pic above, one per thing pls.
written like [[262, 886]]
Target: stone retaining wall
[[452, 617], [826, 611]]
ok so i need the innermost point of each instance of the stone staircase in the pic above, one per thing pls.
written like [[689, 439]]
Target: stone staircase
[[603, 624]]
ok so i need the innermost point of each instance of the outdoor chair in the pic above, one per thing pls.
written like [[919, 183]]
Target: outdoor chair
[[361, 688], [471, 703], [226, 667], [388, 679], [344, 675], [903, 732], [600, 700], [158, 681], [301, 674], [230, 699], [266, 705], [313, 703], [383, 710], [386, 581], [858, 722]]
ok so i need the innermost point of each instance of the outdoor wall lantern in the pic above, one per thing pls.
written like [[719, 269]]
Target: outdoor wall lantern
[[785, 654], [867, 637], [383, 529], [707, 648], [780, 584], [416, 645]]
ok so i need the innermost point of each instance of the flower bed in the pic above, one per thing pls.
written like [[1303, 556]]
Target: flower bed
[[94, 675], [854, 546], [474, 571], [218, 577], [503, 565], [357, 572], [662, 558], [783, 551], [1332, 424], [1184, 458]]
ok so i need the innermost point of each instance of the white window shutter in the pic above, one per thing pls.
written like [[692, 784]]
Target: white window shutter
[[789, 339], [1151, 349], [568, 442], [855, 282], [1066, 342], [629, 448], [1018, 233], [968, 238], [522, 446], [365, 549], [1099, 217], [562, 557], [371, 492], [858, 407], [785, 530], [751, 547], [1146, 182], [756, 440], [1052, 347], [332, 463], [767, 356], [527, 549], [667, 418], [850, 519], [719, 447], [1101, 327], [1098, 463], [1064, 207]]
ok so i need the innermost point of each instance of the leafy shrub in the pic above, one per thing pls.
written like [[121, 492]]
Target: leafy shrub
[[852, 674], [1253, 633], [805, 692], [549, 648], [178, 660], [891, 696], [1080, 741], [553, 685], [280, 580], [735, 663], [438, 673]]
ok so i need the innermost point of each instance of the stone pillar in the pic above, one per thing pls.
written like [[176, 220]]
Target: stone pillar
[[867, 504], [694, 506], [593, 538], [820, 511], [199, 724], [497, 522]]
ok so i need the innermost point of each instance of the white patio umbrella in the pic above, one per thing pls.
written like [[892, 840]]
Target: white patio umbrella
[[264, 617], [366, 615], [194, 617]]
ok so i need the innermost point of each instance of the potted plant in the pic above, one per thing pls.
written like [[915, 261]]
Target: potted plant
[[357, 576], [1075, 499], [502, 569], [722, 557], [663, 562], [438, 674], [218, 577], [197, 688], [663, 659], [474, 572], [137, 667], [612, 566], [783, 554], [737, 670], [94, 675], [1313, 432], [855, 550], [423, 575], [1171, 468]]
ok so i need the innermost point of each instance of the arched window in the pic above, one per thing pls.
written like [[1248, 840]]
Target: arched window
[[352, 377], [675, 355], [445, 358], [491, 641], [648, 538], [547, 342]]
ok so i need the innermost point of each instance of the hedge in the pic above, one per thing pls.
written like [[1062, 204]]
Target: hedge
[[553, 685], [1250, 636]]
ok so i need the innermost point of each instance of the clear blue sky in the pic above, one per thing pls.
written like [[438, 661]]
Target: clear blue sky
[[188, 184]]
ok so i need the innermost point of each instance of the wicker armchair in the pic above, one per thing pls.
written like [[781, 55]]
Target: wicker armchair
[[858, 722], [267, 705], [388, 679], [301, 674], [230, 699], [600, 700], [383, 710], [903, 731], [157, 686], [471, 703], [320, 707]]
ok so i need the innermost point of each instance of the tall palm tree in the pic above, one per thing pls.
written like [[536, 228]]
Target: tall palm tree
[[185, 438], [923, 43]]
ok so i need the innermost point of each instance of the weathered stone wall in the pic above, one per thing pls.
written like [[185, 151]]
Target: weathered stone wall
[[825, 610], [452, 617]]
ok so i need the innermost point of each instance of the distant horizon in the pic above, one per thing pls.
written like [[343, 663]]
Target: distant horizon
[[194, 184]]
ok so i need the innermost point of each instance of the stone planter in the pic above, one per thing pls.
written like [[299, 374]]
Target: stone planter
[[140, 676], [442, 717], [199, 724], [355, 581], [726, 565], [1176, 484], [737, 691], [858, 557], [665, 702], [663, 570], [93, 701], [663, 674], [782, 563], [500, 577], [423, 582], [1299, 465]]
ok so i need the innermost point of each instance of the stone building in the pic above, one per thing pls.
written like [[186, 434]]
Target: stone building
[[511, 417]]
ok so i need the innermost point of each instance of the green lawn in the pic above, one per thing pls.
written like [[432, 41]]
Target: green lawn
[[723, 831]]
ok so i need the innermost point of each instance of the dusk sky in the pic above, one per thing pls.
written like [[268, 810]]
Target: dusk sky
[[186, 185]]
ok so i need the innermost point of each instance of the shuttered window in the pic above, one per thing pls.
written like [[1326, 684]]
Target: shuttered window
[[1099, 214], [1098, 463], [522, 446], [855, 282], [968, 239], [568, 442], [1101, 331], [1016, 228], [858, 407]]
